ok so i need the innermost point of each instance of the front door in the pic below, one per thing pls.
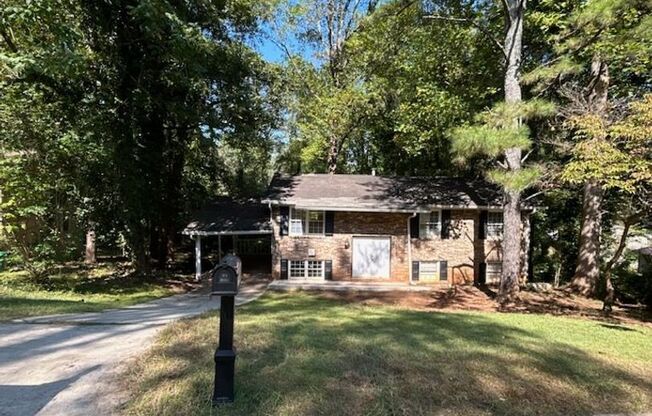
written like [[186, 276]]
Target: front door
[[371, 257]]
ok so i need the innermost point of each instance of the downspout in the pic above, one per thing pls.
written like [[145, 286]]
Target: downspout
[[409, 247]]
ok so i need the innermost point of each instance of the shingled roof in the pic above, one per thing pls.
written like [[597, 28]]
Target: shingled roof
[[381, 193], [228, 216]]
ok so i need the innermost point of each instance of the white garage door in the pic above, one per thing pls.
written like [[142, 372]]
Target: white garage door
[[371, 257]]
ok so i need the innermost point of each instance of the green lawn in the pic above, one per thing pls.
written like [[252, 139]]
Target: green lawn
[[300, 354], [76, 290]]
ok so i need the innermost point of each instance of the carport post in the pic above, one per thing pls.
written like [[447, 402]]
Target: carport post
[[197, 257], [219, 248]]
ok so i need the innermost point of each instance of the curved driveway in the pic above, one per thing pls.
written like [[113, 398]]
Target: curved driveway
[[66, 364]]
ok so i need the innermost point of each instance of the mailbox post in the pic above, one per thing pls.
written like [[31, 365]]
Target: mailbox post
[[225, 282]]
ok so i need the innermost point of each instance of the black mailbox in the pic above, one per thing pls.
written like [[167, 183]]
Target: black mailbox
[[225, 280]]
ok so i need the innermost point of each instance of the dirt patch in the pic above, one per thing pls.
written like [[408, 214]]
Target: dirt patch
[[471, 298]]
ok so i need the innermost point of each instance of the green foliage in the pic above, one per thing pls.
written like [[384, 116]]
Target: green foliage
[[614, 153], [401, 85], [104, 107], [619, 31], [498, 130], [555, 232], [602, 161], [516, 180], [490, 141]]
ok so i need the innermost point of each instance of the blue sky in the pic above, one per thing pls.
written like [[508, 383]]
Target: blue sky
[[269, 50]]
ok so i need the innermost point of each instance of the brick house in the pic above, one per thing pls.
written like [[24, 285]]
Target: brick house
[[363, 227], [404, 229]]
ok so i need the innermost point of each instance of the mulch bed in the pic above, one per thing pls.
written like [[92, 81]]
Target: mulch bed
[[471, 298]]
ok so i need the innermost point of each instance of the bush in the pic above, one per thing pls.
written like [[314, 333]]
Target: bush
[[630, 285]]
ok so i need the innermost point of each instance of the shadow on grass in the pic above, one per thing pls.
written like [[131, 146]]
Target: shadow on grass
[[18, 307], [299, 354]]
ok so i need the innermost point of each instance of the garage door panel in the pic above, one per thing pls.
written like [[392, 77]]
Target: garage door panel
[[371, 257]]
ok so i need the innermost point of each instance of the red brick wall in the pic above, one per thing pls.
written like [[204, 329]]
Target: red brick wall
[[463, 251], [338, 247]]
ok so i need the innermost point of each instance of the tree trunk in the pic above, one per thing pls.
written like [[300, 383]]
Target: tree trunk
[[333, 153], [610, 292], [587, 271], [89, 257], [526, 248], [512, 240]]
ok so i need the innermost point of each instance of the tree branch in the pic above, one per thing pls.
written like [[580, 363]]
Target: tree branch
[[477, 25], [628, 222], [10, 43]]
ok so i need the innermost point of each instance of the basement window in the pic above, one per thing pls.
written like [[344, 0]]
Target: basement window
[[428, 271], [306, 269]]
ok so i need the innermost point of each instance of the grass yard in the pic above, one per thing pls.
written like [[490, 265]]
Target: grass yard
[[75, 290], [299, 354]]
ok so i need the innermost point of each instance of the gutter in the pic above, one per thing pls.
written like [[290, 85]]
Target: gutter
[[409, 247]]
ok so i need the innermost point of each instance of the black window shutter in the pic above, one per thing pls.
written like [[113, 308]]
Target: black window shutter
[[285, 220], [415, 271], [482, 229], [329, 219], [414, 226], [328, 270], [443, 270], [482, 279], [284, 269], [446, 224]]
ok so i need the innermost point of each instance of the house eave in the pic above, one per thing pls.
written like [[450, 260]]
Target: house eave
[[209, 233], [408, 210]]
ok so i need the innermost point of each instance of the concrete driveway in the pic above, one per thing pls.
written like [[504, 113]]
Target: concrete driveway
[[67, 364]]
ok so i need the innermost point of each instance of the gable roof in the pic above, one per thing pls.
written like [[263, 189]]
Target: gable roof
[[381, 193], [227, 216]]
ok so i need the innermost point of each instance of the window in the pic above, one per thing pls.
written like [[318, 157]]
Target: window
[[494, 270], [304, 222], [297, 268], [430, 225], [315, 268], [316, 222], [494, 224], [428, 271], [297, 221], [306, 269]]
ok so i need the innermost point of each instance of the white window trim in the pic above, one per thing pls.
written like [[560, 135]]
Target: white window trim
[[305, 269], [424, 225], [489, 235], [306, 221]]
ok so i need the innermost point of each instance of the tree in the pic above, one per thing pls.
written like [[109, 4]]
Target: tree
[[328, 104], [589, 39], [502, 134], [405, 83], [614, 153], [125, 92]]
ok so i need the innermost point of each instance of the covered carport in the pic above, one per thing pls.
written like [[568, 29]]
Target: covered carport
[[242, 227]]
